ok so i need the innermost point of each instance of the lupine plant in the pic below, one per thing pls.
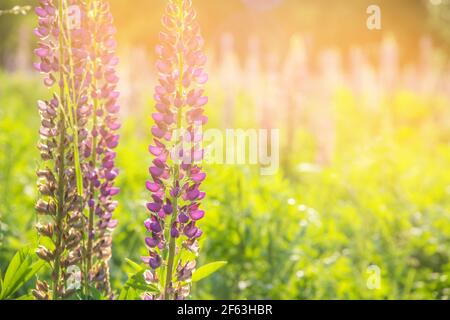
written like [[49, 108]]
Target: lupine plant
[[103, 140], [78, 138], [176, 174], [76, 183]]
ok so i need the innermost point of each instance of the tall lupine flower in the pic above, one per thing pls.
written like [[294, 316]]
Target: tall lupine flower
[[63, 54], [175, 173], [103, 140], [78, 137]]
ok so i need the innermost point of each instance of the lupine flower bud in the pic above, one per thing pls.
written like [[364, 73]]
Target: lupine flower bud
[[44, 254], [42, 291], [175, 172], [45, 208], [45, 229], [184, 271]]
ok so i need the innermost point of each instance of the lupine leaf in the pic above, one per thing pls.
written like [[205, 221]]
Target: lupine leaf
[[135, 285], [137, 281], [20, 258], [25, 276], [95, 294], [207, 270], [128, 294], [20, 270], [136, 267]]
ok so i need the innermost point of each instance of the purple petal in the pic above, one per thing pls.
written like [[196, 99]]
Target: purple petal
[[193, 194], [202, 79], [168, 208], [147, 224], [198, 234], [190, 230], [157, 132], [42, 52], [112, 224], [152, 187], [40, 12], [183, 218], [151, 242], [155, 262], [155, 227], [156, 171], [174, 233], [154, 207], [197, 215], [201, 101], [114, 191], [155, 150], [145, 260], [111, 175], [198, 177]]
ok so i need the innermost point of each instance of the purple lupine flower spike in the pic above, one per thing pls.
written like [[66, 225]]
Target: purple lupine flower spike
[[175, 173], [104, 139], [79, 126], [62, 52]]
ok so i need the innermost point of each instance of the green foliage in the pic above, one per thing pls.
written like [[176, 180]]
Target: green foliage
[[19, 127], [136, 285], [20, 270]]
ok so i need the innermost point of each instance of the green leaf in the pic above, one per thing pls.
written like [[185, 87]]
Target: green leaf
[[14, 265], [95, 294], [129, 294], [135, 285], [137, 282], [136, 267], [207, 270], [20, 270], [26, 297]]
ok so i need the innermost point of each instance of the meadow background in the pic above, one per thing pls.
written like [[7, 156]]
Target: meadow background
[[364, 118]]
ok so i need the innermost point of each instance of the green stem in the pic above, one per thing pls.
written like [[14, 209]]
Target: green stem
[[73, 98]]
